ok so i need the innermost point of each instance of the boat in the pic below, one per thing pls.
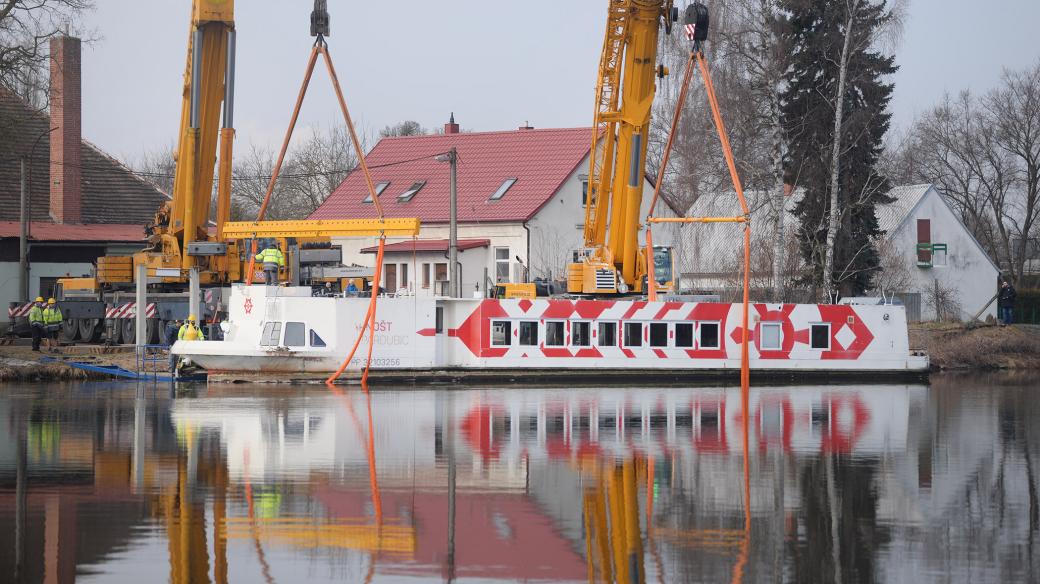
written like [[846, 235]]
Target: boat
[[276, 333]]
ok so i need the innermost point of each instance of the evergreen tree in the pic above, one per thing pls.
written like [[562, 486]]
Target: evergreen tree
[[826, 37]]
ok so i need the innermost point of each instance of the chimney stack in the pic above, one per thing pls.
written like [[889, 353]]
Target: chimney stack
[[526, 126], [66, 138], [451, 127]]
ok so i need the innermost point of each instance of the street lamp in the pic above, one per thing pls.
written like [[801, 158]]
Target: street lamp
[[452, 157]]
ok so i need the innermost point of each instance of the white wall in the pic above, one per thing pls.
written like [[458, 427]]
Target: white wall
[[968, 268], [472, 260], [9, 286]]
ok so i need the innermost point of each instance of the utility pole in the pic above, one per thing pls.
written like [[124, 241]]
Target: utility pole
[[23, 238], [453, 225]]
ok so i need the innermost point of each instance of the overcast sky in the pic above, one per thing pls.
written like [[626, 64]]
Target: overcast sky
[[495, 64]]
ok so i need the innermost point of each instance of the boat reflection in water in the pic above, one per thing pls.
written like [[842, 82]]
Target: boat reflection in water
[[509, 485]]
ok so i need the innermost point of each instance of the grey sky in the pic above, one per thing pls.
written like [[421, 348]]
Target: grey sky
[[495, 64]]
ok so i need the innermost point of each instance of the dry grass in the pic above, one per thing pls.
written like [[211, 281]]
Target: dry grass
[[991, 347]]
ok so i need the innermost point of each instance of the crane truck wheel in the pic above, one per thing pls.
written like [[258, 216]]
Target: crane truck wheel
[[90, 330], [129, 332], [70, 330], [153, 330]]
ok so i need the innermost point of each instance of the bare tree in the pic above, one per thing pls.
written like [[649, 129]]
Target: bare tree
[[26, 27], [157, 167], [405, 128]]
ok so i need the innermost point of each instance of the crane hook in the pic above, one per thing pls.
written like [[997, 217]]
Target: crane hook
[[696, 24]]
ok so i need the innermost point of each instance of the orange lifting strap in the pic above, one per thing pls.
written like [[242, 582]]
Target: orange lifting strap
[[697, 56]]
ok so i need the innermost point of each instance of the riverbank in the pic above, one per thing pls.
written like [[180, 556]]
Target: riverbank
[[21, 363], [955, 347]]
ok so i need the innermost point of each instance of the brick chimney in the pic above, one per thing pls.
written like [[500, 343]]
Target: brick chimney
[[66, 138], [451, 127], [526, 126]]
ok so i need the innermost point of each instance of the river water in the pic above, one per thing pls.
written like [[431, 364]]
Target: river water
[[861, 483]]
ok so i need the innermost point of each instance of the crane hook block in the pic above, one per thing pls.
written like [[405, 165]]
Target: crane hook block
[[696, 22], [320, 19]]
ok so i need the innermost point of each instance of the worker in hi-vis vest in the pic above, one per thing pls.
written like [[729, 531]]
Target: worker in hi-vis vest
[[52, 321], [190, 331], [272, 259], [36, 324]]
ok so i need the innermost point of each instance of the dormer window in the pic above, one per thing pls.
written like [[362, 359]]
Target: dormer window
[[380, 187], [501, 192], [411, 192]]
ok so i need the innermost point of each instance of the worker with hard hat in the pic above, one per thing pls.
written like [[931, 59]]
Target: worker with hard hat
[[52, 318], [190, 331], [36, 323], [272, 259]]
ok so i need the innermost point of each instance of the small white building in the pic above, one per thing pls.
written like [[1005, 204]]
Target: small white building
[[924, 249], [521, 206]]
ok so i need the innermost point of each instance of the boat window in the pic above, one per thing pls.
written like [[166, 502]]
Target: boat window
[[580, 334], [820, 336], [658, 334], [684, 334], [272, 332], [709, 335], [633, 334], [501, 333], [295, 334], [770, 336], [607, 334], [316, 341], [554, 334], [529, 333]]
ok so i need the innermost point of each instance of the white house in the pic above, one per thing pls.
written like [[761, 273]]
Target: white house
[[924, 243], [520, 206]]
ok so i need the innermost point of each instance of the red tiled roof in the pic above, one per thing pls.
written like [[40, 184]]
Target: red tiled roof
[[428, 245], [540, 160], [43, 231]]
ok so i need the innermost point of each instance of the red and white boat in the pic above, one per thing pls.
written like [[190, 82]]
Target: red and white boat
[[285, 330]]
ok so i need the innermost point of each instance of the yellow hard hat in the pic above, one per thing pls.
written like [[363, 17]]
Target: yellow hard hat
[[191, 317], [39, 298], [51, 301]]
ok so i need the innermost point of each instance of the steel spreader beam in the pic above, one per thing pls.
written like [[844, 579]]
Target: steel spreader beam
[[400, 227]]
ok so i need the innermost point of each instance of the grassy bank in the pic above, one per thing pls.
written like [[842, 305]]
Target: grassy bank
[[20, 363], [953, 346]]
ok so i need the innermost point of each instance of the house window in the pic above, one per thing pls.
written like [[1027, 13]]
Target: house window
[[501, 333], [502, 264], [390, 277], [584, 192], [426, 275], [684, 334], [709, 337], [607, 334], [411, 192], [658, 334], [939, 254], [272, 332], [440, 273], [771, 336], [554, 334], [295, 334], [501, 192], [316, 341], [924, 242], [438, 320], [633, 334], [379, 191], [529, 333], [820, 336], [580, 334], [404, 275]]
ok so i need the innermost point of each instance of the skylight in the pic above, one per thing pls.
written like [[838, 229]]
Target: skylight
[[501, 192], [380, 187], [412, 190]]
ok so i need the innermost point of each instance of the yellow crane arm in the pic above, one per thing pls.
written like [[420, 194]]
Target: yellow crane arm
[[400, 227]]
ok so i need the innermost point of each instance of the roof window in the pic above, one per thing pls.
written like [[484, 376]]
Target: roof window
[[501, 192], [411, 192], [380, 187]]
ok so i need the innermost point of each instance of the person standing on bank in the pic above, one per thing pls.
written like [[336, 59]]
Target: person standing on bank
[[272, 259], [36, 323], [1006, 302], [52, 319]]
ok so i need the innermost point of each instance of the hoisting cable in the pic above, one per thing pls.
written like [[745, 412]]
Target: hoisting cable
[[369, 321]]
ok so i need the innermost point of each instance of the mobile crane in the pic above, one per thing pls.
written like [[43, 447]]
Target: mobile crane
[[179, 241], [611, 261]]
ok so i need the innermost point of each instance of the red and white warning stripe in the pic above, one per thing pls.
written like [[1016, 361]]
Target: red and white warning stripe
[[17, 311], [129, 310], [691, 31]]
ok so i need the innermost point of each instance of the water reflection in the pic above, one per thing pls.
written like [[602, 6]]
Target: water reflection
[[847, 484]]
